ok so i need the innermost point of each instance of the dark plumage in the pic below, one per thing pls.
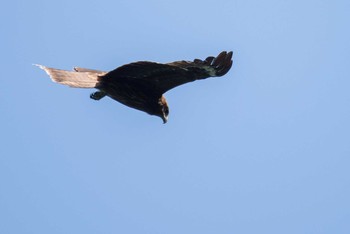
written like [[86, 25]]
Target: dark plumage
[[141, 85]]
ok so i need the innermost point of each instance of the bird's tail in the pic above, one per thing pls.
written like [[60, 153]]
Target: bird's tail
[[79, 78]]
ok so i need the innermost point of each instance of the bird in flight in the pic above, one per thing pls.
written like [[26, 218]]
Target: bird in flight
[[141, 85]]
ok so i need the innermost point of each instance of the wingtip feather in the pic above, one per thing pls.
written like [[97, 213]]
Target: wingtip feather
[[222, 63]]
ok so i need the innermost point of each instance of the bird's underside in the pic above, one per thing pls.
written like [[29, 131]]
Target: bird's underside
[[141, 85]]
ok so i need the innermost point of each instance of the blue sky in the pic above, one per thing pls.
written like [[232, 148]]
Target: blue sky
[[264, 149]]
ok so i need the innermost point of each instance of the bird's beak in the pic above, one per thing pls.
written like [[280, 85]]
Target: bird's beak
[[165, 119]]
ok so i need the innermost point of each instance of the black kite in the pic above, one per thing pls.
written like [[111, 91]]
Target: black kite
[[141, 85]]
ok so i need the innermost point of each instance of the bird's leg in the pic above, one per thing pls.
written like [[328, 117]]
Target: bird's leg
[[97, 95]]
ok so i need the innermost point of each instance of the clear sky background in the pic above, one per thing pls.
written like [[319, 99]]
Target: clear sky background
[[264, 149]]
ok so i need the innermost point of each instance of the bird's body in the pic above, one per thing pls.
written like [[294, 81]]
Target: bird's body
[[141, 85]]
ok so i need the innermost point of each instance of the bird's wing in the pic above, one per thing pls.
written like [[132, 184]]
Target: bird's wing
[[163, 77]]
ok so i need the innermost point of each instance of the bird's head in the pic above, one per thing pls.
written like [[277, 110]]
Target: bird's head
[[163, 110]]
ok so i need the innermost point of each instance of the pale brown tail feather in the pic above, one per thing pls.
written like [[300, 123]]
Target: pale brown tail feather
[[81, 79], [80, 69]]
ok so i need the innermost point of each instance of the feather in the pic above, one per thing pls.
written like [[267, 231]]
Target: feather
[[72, 78]]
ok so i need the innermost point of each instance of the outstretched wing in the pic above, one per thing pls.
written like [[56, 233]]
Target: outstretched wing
[[163, 77]]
